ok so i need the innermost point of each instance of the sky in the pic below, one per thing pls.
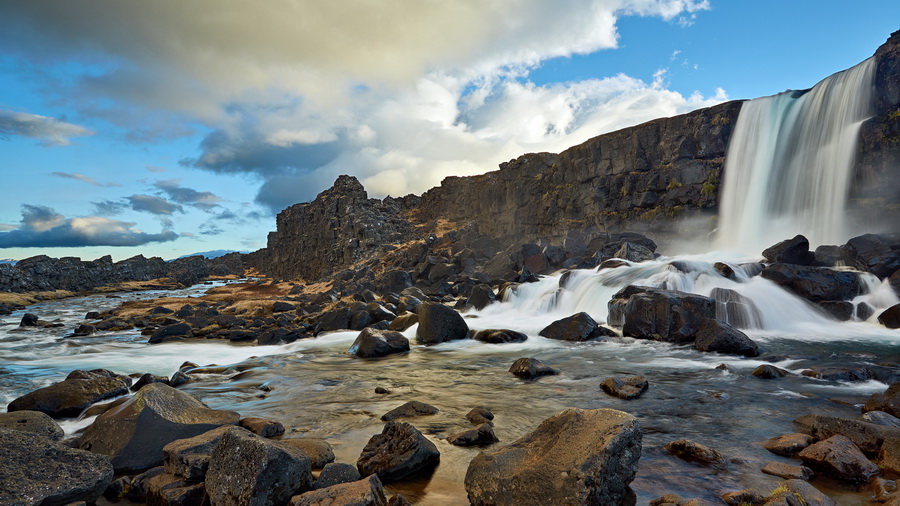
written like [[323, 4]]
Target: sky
[[179, 126]]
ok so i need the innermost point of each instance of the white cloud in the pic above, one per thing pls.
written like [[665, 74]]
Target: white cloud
[[51, 131]]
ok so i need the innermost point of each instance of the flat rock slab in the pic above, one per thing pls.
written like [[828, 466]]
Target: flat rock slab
[[625, 387], [837, 456], [34, 422], [398, 452], [365, 492], [251, 470], [574, 457], [787, 471], [409, 410], [134, 433], [36, 470], [788, 445]]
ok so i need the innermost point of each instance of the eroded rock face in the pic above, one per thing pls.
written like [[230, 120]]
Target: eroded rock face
[[574, 457], [398, 452], [248, 469], [36, 470], [134, 433], [70, 397]]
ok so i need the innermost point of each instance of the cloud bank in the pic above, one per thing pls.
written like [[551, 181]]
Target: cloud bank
[[295, 92], [42, 227]]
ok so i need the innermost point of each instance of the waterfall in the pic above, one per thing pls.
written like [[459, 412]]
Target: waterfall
[[789, 163]]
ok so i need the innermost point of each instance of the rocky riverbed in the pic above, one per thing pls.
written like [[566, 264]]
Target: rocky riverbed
[[710, 356]]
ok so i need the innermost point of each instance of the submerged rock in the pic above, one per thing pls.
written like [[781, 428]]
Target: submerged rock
[[574, 457], [690, 451], [36, 470], [134, 433], [625, 387], [481, 435], [408, 410], [400, 451], [814, 283], [530, 368], [500, 336]]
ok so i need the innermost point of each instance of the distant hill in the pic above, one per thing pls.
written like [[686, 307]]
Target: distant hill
[[216, 253]]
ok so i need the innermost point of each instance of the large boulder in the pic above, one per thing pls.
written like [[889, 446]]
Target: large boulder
[[718, 336], [666, 315], [248, 469], [839, 457], [70, 397], [890, 317], [482, 295], [869, 437], [34, 422], [371, 343], [578, 327], [439, 323], [36, 470], [134, 433], [500, 336], [790, 251], [366, 492], [574, 457], [735, 309], [872, 253], [400, 451], [530, 368], [189, 458], [814, 283]]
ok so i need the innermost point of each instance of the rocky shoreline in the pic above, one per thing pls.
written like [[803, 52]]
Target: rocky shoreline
[[185, 453]]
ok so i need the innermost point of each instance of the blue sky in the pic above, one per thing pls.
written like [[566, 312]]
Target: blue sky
[[166, 128]]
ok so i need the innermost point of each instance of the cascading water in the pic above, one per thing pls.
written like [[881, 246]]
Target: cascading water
[[789, 163]]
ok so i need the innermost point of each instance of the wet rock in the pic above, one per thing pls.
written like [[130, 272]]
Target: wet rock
[[334, 474], [371, 343], [787, 471], [827, 256], [178, 379], [134, 433], [336, 319], [889, 457], [366, 492], [814, 283], [674, 500], [168, 332], [666, 315], [318, 450], [867, 436], [34, 422], [840, 310], [690, 451], [83, 330], [439, 323], [247, 469], [147, 379], [735, 309], [36, 470], [400, 500], [625, 387], [890, 317], [768, 371], [797, 492], [409, 410], [864, 311], [500, 336], [394, 281], [574, 457], [404, 322], [92, 315], [578, 327], [634, 253], [479, 415], [872, 253], [880, 418], [482, 295], [838, 373], [788, 445], [481, 435], [382, 390], [725, 270], [170, 490], [262, 426], [746, 497], [887, 401], [720, 337], [530, 368], [70, 397], [189, 457], [29, 320], [790, 251], [837, 456], [399, 452]]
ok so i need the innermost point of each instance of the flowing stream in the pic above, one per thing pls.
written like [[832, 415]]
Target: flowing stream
[[316, 389]]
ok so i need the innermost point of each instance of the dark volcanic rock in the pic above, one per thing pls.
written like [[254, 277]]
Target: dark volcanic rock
[[482, 295], [499, 336], [134, 433], [872, 253], [790, 251], [694, 452], [336, 319], [439, 323], [578, 327], [887, 401], [36, 470], [176, 330], [840, 458], [336, 473], [371, 343], [574, 457], [625, 387], [769, 371], [410, 409], [70, 397], [814, 283], [840, 310], [399, 452], [530, 368], [867, 436], [890, 317], [480, 435], [666, 315], [788, 445], [365, 492], [717, 336], [248, 469], [33, 422], [189, 458], [318, 450]]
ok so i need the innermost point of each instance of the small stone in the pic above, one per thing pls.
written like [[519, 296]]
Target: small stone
[[481, 435], [787, 471], [382, 391], [479, 415], [788, 445], [625, 387], [767, 371], [335, 473], [262, 427], [409, 410], [694, 452]]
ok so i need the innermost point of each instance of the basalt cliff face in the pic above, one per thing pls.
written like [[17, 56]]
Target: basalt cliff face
[[647, 178]]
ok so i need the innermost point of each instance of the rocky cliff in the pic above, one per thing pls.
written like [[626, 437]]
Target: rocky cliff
[[647, 178]]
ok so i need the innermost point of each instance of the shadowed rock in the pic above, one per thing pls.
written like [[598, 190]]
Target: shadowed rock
[[790, 251], [481, 435], [189, 458], [408, 410], [365, 492], [530, 368], [500, 336], [439, 323], [578, 327], [400, 451], [720, 337], [625, 387], [334, 474]]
